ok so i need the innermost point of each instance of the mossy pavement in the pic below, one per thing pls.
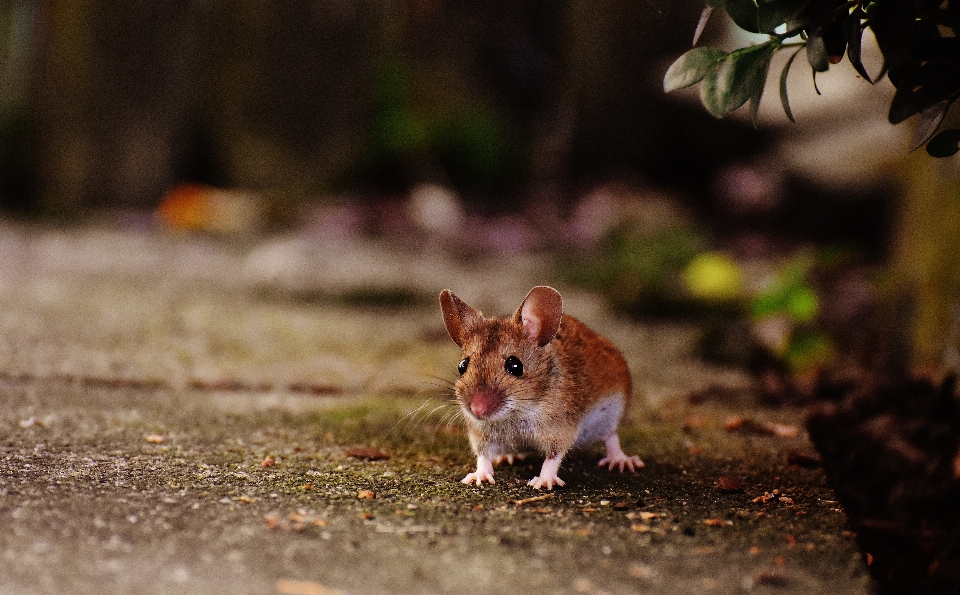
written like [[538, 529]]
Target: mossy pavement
[[174, 423]]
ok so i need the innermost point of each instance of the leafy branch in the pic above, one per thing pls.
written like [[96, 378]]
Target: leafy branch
[[916, 38]]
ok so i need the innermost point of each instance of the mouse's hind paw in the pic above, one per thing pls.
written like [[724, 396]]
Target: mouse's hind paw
[[619, 459]]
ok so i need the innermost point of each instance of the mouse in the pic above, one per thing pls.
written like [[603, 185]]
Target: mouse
[[539, 380]]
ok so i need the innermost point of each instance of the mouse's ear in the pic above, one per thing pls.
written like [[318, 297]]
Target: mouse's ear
[[540, 314], [458, 316]]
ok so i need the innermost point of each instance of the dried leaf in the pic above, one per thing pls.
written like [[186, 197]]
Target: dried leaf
[[729, 483], [800, 459], [288, 587], [369, 453]]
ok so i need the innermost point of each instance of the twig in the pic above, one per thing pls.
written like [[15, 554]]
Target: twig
[[529, 500]]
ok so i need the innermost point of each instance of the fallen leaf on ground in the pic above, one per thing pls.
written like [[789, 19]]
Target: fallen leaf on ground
[[729, 483], [369, 453], [773, 578], [716, 523], [288, 587], [801, 459], [737, 423], [366, 495], [268, 461]]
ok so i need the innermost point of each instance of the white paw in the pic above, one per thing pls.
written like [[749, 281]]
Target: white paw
[[621, 462], [509, 459], [546, 481], [479, 477]]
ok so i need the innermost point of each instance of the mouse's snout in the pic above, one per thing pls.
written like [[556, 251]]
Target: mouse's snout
[[484, 402]]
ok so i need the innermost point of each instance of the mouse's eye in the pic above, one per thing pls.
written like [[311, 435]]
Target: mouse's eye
[[462, 366], [513, 366]]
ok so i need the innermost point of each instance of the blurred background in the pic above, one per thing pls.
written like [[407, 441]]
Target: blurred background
[[217, 193], [491, 128]]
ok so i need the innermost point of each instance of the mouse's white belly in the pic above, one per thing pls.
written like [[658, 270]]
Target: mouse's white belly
[[600, 422]]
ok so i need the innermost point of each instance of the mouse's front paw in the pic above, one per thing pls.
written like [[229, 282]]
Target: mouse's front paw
[[544, 480], [479, 477]]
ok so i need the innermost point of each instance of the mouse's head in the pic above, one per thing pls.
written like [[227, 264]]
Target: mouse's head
[[507, 362]]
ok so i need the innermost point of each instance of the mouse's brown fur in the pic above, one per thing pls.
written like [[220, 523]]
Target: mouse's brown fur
[[573, 389]]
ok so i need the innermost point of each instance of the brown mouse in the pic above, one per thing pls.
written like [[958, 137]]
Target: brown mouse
[[539, 379]]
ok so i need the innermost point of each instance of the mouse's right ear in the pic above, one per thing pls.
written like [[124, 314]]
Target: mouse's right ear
[[458, 316]]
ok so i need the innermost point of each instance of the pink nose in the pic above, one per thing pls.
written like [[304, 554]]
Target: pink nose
[[484, 402]]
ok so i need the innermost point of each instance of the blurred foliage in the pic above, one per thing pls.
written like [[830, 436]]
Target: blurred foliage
[[785, 316], [916, 37], [642, 273], [671, 273], [471, 143], [790, 293]]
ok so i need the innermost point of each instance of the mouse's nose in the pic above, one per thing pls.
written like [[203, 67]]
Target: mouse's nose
[[484, 402]]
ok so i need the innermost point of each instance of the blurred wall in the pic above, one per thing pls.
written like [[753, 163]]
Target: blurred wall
[[123, 99]]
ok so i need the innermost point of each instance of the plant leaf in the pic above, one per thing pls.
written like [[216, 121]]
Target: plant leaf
[[736, 78], [691, 67], [817, 54], [702, 23], [784, 101], [743, 13], [945, 144], [930, 120], [773, 13], [755, 98], [854, 36]]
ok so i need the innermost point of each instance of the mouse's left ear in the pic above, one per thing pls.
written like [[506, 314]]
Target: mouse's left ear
[[540, 314]]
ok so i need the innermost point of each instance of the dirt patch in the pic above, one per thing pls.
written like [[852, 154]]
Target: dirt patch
[[115, 490]]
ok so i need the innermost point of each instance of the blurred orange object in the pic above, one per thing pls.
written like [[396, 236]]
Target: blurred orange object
[[197, 207]]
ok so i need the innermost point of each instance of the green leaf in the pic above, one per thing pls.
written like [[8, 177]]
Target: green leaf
[[757, 94], [784, 101], [945, 144], [817, 54], [702, 23], [853, 32], [736, 78], [743, 13], [773, 13], [691, 67]]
